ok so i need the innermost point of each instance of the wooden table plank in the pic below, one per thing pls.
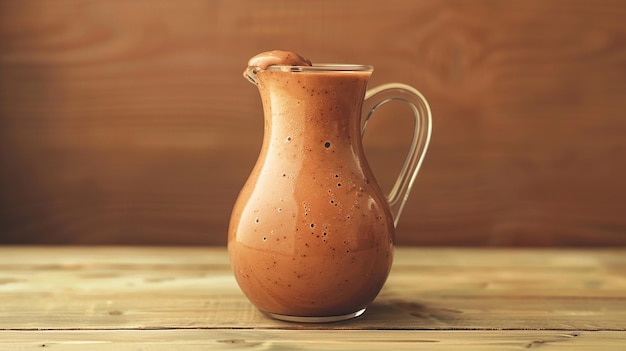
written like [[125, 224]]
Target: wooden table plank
[[435, 298], [110, 288], [229, 339]]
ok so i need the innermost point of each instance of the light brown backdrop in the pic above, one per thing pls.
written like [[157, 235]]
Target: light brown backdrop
[[128, 122]]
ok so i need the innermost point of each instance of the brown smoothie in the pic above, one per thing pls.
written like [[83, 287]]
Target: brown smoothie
[[311, 233]]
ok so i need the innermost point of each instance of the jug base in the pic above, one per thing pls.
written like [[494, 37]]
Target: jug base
[[316, 319]]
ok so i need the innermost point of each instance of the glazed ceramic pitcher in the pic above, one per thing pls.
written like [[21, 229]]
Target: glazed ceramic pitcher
[[311, 234]]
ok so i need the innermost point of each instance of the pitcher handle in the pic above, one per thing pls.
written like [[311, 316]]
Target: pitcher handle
[[376, 97]]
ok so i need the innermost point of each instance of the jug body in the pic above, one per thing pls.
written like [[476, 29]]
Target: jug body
[[311, 234]]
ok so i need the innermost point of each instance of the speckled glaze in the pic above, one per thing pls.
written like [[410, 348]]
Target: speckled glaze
[[311, 233]]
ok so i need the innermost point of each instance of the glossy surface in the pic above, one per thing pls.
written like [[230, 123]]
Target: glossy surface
[[311, 233]]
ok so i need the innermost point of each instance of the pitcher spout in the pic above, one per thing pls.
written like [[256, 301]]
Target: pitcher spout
[[251, 74]]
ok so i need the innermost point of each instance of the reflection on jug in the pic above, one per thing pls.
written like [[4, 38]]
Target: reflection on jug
[[311, 235]]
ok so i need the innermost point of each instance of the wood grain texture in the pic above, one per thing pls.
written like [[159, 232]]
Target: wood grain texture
[[131, 298], [226, 339], [129, 123], [428, 289]]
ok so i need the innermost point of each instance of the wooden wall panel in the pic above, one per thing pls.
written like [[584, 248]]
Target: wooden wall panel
[[128, 122]]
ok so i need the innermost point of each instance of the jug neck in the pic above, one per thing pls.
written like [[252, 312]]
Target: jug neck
[[313, 111], [313, 97]]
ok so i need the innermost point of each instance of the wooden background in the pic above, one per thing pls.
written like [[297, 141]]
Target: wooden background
[[128, 122]]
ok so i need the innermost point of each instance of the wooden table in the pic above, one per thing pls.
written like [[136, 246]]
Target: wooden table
[[137, 298]]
